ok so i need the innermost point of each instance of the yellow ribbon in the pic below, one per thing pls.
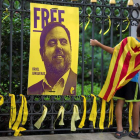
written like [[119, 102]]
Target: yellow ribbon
[[108, 28], [80, 24], [93, 114], [87, 22], [75, 117], [111, 113], [102, 115], [60, 112], [23, 109], [41, 119], [1, 100], [17, 131], [126, 26], [8, 13], [130, 115], [82, 123], [12, 110]]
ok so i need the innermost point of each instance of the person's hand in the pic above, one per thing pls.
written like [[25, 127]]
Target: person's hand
[[94, 42]]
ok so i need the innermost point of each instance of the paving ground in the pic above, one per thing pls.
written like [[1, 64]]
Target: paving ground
[[80, 136]]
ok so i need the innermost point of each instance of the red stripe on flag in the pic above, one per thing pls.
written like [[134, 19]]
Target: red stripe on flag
[[125, 66], [124, 42], [130, 76], [137, 60], [124, 69], [136, 49]]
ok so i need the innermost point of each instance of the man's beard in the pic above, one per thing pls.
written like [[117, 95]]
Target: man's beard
[[58, 69]]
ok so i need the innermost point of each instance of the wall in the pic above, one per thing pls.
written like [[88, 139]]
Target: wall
[[133, 28]]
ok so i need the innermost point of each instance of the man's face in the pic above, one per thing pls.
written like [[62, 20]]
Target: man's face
[[57, 51]]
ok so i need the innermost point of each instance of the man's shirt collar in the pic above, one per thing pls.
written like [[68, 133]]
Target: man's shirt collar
[[58, 88]]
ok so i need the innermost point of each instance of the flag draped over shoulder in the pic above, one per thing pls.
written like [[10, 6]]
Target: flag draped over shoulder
[[124, 65]]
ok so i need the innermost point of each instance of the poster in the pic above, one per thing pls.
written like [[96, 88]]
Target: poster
[[54, 43]]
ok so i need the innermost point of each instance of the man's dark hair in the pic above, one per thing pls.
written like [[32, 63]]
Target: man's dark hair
[[48, 28], [138, 30]]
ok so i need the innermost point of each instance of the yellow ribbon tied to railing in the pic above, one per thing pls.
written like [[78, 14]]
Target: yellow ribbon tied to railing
[[87, 22], [8, 13], [93, 114], [111, 113], [12, 111], [80, 24], [82, 123], [108, 28], [23, 111], [126, 20], [102, 115], [75, 117], [60, 112], [1, 100], [130, 115], [41, 119]]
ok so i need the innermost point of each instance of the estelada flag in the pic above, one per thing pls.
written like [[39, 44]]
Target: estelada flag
[[124, 65]]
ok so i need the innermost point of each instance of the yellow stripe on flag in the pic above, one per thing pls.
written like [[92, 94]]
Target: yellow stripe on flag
[[125, 63], [119, 71], [107, 82]]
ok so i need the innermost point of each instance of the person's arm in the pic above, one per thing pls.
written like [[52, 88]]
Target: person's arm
[[94, 42]]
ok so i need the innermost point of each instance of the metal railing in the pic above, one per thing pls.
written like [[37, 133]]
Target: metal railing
[[14, 62]]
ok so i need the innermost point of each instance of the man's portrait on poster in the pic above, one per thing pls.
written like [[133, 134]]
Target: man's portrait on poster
[[56, 53]]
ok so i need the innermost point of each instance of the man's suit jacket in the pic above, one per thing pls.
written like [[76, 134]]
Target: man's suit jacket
[[37, 89]]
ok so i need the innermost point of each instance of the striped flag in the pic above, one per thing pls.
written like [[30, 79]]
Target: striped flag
[[124, 65]]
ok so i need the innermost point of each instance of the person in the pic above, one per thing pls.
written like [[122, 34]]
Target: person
[[55, 50], [129, 93]]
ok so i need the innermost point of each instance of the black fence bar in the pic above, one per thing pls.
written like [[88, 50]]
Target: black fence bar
[[92, 66], [83, 41], [102, 41], [112, 27], [11, 46], [130, 14], [121, 23], [0, 36], [21, 59]]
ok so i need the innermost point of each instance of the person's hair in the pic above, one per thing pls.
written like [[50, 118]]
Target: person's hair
[[138, 30], [48, 28]]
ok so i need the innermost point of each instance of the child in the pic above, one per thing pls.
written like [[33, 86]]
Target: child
[[126, 93]]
